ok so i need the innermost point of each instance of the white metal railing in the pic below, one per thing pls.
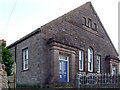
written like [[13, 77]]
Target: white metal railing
[[93, 80]]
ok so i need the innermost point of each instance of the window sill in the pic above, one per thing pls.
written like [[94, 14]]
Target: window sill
[[91, 72], [98, 72], [25, 70], [81, 70], [89, 29]]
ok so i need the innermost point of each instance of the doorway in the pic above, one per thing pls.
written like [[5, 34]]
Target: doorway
[[63, 68]]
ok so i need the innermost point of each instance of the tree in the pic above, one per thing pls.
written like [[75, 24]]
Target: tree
[[7, 59]]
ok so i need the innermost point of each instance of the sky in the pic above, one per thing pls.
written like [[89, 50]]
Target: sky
[[20, 17]]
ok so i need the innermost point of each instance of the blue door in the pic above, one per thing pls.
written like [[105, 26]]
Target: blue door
[[63, 70]]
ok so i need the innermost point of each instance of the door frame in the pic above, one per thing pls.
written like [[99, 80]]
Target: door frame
[[67, 64]]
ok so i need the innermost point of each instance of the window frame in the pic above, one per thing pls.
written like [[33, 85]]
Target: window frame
[[25, 58], [89, 23], [84, 20], [98, 63], [95, 26], [81, 58], [90, 59]]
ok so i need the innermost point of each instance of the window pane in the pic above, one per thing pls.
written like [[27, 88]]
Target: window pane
[[81, 59], [26, 56], [23, 55], [79, 55], [60, 57], [26, 52], [95, 26], [26, 64], [84, 21], [63, 57], [114, 70], [25, 59], [60, 63], [90, 66], [90, 59], [80, 64], [89, 23], [88, 55], [98, 64]]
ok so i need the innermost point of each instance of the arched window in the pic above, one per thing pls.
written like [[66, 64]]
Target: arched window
[[90, 59]]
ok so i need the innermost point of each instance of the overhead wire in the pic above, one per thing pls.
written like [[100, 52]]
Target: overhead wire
[[60, 7], [9, 17]]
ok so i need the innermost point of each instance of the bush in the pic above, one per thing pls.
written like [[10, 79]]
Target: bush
[[7, 59]]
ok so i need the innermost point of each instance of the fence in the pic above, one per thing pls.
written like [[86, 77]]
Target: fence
[[97, 81]]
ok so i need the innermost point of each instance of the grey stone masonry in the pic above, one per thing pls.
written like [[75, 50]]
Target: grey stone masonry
[[64, 35]]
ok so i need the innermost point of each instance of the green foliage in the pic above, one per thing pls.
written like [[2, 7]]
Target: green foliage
[[0, 53], [7, 59], [3, 44]]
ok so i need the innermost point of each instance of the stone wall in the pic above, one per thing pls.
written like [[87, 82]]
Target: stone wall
[[3, 77], [3, 73], [33, 74]]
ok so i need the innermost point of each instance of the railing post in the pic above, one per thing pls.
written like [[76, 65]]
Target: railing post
[[105, 81], [119, 80], [85, 80], [114, 80], [102, 79], [78, 81], [110, 80]]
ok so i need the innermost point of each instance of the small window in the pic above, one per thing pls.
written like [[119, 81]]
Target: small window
[[81, 59], [114, 70], [95, 26], [84, 21], [98, 63], [90, 59], [89, 22], [25, 59]]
